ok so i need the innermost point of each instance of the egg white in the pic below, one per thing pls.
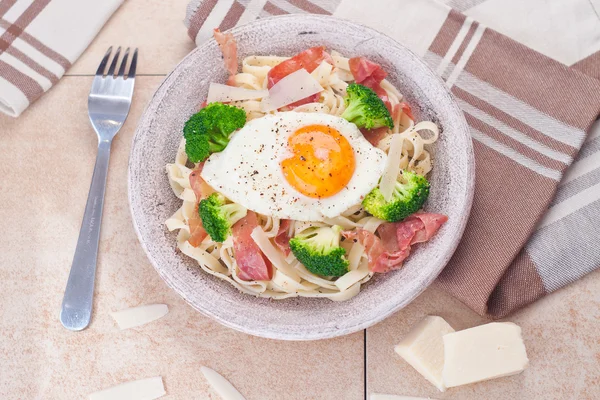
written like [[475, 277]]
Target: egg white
[[248, 171]]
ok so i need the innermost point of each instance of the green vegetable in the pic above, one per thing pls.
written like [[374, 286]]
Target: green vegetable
[[410, 192], [318, 249], [365, 109], [218, 217], [208, 130]]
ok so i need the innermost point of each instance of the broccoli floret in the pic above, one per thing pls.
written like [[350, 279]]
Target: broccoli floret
[[365, 109], [410, 192], [318, 249], [208, 130], [218, 217], [197, 148]]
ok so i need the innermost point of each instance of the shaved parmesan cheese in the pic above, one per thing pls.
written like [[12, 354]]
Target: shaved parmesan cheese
[[138, 316], [392, 168], [222, 386], [296, 86], [143, 389], [226, 93]]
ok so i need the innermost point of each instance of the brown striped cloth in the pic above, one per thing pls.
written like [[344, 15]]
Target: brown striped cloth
[[535, 222], [39, 40]]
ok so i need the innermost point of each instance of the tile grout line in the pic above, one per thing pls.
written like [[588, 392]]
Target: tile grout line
[[365, 362]]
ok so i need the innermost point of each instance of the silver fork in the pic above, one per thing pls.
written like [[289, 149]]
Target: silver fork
[[108, 105]]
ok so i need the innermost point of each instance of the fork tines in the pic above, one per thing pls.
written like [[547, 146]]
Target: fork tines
[[113, 64]]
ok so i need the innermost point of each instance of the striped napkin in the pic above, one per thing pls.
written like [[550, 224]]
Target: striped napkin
[[536, 212], [39, 40]]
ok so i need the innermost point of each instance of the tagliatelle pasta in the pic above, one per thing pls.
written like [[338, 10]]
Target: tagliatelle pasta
[[290, 277]]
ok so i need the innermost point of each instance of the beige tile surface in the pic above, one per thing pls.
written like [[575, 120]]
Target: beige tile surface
[[154, 26], [560, 333], [46, 161]]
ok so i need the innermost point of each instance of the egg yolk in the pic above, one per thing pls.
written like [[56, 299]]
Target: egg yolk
[[322, 162]]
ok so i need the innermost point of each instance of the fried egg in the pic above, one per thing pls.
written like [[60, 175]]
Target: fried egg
[[301, 166]]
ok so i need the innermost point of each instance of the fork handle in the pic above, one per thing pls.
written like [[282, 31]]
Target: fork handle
[[76, 308]]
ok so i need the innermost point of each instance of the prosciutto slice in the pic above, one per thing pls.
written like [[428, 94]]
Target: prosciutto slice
[[282, 240], [374, 136], [228, 47], [405, 108], [362, 69], [388, 251], [370, 74], [431, 224], [252, 263], [197, 232], [309, 59]]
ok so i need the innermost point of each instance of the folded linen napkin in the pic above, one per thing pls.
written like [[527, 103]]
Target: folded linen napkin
[[39, 40], [529, 116]]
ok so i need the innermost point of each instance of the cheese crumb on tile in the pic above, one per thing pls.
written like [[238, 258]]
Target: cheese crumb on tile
[[423, 349], [484, 352]]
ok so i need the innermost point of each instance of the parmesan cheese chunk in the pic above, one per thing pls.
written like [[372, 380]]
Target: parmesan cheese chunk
[[484, 352], [138, 316], [222, 386], [423, 349], [143, 389]]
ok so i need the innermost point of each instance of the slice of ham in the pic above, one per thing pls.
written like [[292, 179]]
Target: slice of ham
[[228, 47], [309, 59], [363, 68], [406, 231], [196, 182], [381, 259], [252, 263], [373, 136], [431, 224], [370, 74], [387, 233], [282, 239], [388, 251], [197, 232], [405, 108]]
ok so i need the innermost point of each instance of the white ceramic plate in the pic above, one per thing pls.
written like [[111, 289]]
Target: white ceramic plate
[[158, 135]]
